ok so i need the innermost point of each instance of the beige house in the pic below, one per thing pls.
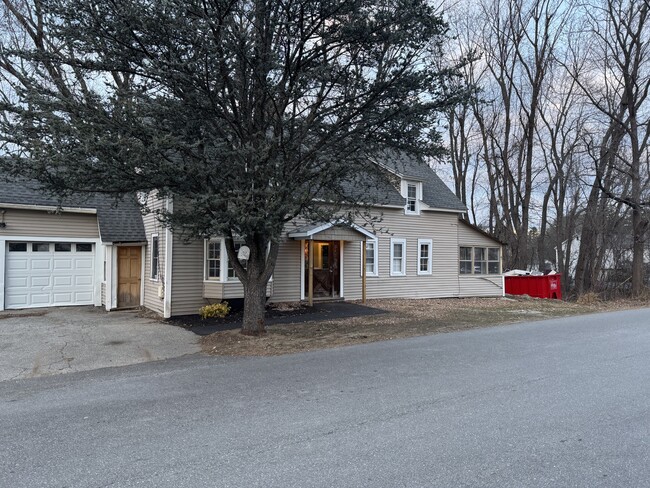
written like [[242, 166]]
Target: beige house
[[421, 249]]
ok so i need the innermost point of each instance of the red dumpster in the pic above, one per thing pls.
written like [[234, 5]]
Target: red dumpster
[[547, 286]]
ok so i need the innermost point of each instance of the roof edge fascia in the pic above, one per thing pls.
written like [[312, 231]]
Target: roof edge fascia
[[48, 208]]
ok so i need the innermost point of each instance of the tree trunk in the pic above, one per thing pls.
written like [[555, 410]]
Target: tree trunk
[[639, 225], [254, 308]]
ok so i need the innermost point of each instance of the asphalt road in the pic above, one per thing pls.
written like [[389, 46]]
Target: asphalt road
[[556, 403]]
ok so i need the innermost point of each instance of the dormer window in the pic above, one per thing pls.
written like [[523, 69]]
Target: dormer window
[[411, 190], [411, 197]]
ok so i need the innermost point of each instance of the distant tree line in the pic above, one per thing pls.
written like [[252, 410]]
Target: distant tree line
[[556, 136]]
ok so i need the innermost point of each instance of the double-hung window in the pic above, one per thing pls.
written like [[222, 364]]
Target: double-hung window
[[155, 256], [371, 257], [213, 260], [465, 260], [231, 270], [398, 257], [424, 256], [411, 197]]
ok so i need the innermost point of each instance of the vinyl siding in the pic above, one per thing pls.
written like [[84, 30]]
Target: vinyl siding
[[286, 279], [440, 227], [38, 223], [153, 226], [187, 277]]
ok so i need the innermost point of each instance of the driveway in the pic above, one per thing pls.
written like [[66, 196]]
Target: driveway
[[558, 403], [67, 339]]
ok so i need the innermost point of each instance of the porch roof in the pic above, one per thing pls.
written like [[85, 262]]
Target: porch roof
[[331, 231]]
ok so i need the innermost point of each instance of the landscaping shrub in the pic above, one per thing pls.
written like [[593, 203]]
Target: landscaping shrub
[[218, 310]]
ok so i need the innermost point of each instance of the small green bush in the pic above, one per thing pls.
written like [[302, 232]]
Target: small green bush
[[219, 310]]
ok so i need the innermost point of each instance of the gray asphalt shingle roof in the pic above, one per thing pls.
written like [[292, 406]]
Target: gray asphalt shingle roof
[[434, 192], [118, 221]]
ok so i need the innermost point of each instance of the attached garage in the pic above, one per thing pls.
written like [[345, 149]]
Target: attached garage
[[46, 274], [52, 254]]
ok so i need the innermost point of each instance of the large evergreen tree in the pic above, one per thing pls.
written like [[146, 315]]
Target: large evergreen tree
[[248, 112]]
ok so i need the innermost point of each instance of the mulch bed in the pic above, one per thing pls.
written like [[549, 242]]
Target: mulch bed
[[275, 315]]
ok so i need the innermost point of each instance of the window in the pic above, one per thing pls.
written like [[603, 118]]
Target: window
[[40, 247], [411, 197], [465, 260], [424, 256], [155, 256], [231, 271], [213, 260], [494, 261], [83, 247], [480, 260], [371, 257], [17, 247], [321, 255], [398, 257], [480, 263], [62, 247]]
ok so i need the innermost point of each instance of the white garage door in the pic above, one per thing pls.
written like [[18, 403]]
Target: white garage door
[[46, 274]]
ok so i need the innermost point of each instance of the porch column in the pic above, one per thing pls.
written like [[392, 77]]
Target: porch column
[[363, 271], [310, 277]]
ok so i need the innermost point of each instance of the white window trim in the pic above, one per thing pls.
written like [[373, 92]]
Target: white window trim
[[230, 279], [418, 196], [206, 278], [429, 270], [375, 271], [394, 241], [487, 262], [151, 277]]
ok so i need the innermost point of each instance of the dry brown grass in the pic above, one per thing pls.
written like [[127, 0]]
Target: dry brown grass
[[404, 318]]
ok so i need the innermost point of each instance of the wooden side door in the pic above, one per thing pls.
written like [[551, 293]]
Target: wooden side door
[[129, 268]]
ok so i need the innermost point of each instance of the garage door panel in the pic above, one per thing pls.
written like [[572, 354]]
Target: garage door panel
[[84, 263], [83, 296], [62, 281], [40, 264], [41, 279], [63, 263], [62, 298], [16, 301], [17, 264], [40, 299], [83, 280], [17, 282]]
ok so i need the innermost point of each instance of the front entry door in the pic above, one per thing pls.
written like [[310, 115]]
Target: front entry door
[[128, 276], [327, 273]]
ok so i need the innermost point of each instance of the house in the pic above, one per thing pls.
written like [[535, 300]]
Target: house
[[90, 252]]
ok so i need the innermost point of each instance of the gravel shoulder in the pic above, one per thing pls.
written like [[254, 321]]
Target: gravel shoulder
[[404, 318]]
